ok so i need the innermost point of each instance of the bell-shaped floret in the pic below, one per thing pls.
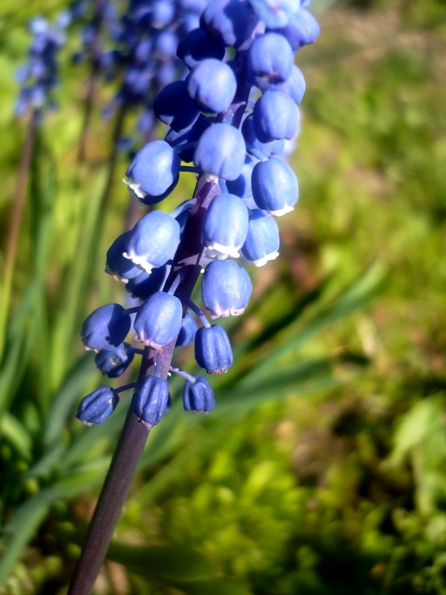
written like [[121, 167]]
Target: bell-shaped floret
[[145, 284], [275, 117], [153, 241], [174, 107], [270, 60], [269, 148], [212, 85], [97, 406], [163, 12], [158, 321], [221, 152], [242, 185], [197, 45], [151, 400], [188, 331], [213, 350], [225, 226], [274, 13], [225, 288], [262, 243], [166, 45], [198, 396], [294, 86], [302, 29], [274, 186], [188, 136], [114, 363], [116, 264], [105, 328], [231, 21], [154, 172]]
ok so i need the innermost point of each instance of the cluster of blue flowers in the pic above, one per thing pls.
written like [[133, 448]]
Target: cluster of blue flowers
[[39, 77], [231, 117]]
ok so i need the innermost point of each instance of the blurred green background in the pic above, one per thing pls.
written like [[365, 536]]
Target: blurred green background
[[322, 470]]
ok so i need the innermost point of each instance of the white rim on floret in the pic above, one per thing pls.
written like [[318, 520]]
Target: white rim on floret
[[115, 276], [149, 343], [281, 212], [134, 189], [216, 250], [225, 313], [261, 261], [139, 261]]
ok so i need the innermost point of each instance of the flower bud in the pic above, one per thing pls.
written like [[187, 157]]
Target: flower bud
[[262, 243], [213, 350], [302, 29], [174, 106], [225, 288], [269, 148], [198, 396], [197, 46], [151, 400], [188, 135], [105, 328], [153, 241], [231, 21], [275, 117], [158, 321], [225, 225], [114, 363], [154, 172], [145, 284], [242, 185], [221, 152], [295, 86], [274, 186], [97, 406], [188, 330], [117, 265], [270, 60], [212, 85]]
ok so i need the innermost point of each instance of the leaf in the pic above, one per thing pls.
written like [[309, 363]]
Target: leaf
[[180, 567], [11, 429]]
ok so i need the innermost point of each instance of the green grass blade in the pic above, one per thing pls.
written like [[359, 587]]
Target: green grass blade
[[15, 432]]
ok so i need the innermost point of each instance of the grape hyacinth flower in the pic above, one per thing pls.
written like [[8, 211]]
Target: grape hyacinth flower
[[242, 185]]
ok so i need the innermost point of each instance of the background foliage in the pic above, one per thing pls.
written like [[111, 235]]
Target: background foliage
[[322, 471]]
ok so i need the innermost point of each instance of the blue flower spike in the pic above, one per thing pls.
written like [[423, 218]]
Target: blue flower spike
[[225, 226], [198, 395], [154, 172], [115, 363], [213, 350], [153, 241], [262, 243], [96, 407], [151, 400], [212, 85], [274, 186], [159, 319], [225, 289], [105, 328], [221, 152]]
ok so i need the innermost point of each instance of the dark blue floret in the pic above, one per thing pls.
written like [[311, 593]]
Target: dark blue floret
[[151, 400], [231, 21], [213, 350], [114, 363], [188, 331], [96, 407], [118, 266], [105, 328], [188, 135], [145, 284], [197, 46], [242, 185], [225, 288], [198, 396], [174, 107]]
